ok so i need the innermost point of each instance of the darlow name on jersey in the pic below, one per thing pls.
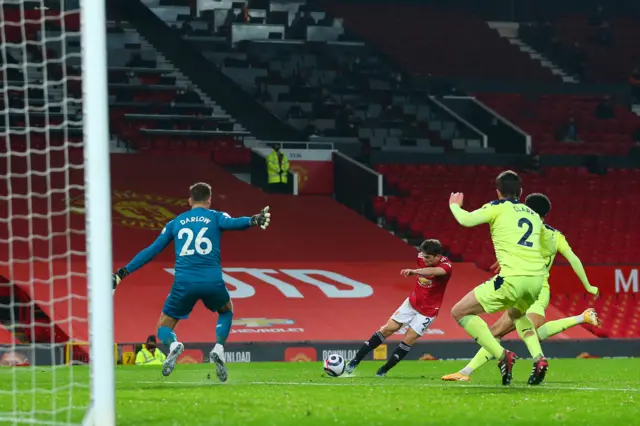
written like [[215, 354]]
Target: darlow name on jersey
[[195, 219]]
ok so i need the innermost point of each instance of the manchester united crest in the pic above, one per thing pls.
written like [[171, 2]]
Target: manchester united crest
[[303, 174], [139, 210]]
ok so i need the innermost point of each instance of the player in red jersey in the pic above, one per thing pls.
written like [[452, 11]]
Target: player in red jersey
[[418, 311]]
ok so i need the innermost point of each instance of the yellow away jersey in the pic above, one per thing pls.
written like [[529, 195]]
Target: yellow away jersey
[[516, 232], [553, 241]]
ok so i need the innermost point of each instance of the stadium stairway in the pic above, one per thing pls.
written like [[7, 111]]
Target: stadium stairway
[[241, 105], [441, 41], [603, 63], [148, 109], [155, 108]]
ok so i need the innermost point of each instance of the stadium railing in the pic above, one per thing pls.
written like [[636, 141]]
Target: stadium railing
[[506, 137], [355, 184]]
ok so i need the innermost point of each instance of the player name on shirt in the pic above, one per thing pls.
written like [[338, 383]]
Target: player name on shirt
[[519, 208], [195, 219]]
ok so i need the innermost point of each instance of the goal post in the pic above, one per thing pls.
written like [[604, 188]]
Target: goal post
[[95, 100], [55, 259]]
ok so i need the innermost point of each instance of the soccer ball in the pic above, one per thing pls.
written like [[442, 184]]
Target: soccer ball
[[334, 365]]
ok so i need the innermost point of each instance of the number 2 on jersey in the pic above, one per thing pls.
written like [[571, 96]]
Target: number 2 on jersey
[[524, 222], [202, 244]]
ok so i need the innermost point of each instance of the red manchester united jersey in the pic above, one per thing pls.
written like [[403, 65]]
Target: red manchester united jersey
[[429, 291]]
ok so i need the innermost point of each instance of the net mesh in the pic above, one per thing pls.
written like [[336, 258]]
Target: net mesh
[[43, 304]]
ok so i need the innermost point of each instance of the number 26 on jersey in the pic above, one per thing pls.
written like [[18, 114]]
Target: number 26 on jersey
[[202, 245]]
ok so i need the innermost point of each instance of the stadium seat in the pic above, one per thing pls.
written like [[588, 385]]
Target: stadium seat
[[421, 211], [619, 314], [541, 117], [446, 39]]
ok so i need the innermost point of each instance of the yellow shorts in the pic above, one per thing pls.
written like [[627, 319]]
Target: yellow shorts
[[540, 305], [500, 293]]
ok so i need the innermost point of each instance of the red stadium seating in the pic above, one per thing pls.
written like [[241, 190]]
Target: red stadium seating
[[439, 41], [542, 117], [619, 314], [224, 150], [6, 338], [597, 213], [612, 63]]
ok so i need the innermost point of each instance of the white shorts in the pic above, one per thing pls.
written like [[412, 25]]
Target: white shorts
[[406, 315]]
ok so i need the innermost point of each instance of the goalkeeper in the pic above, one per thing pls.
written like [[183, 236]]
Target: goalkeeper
[[198, 274]]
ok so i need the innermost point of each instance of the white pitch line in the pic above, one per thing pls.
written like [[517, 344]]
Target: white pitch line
[[428, 385]]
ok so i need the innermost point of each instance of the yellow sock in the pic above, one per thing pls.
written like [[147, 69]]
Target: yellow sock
[[482, 357], [558, 326], [528, 334], [479, 330]]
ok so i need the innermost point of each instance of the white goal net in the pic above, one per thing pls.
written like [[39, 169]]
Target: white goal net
[[44, 285]]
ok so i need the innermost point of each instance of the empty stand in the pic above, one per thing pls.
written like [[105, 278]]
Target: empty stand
[[597, 213], [319, 79], [619, 313], [156, 109], [603, 63], [542, 117], [439, 41], [153, 106]]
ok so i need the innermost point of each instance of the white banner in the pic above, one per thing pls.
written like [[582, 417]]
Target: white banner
[[301, 154]]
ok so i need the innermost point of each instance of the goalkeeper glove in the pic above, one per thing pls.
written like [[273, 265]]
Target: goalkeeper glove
[[261, 219], [118, 276]]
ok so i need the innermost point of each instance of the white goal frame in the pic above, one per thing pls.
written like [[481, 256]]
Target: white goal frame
[[95, 101]]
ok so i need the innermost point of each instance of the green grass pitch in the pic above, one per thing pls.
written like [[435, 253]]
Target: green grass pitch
[[576, 392]]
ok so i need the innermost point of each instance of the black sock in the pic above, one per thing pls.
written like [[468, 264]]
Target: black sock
[[401, 351], [376, 339]]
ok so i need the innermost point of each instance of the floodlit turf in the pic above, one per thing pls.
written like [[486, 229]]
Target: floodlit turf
[[580, 392]]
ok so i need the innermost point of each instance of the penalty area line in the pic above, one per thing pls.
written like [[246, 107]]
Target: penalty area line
[[360, 384]]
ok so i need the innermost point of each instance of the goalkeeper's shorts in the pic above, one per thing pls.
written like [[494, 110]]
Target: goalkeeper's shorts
[[184, 296]]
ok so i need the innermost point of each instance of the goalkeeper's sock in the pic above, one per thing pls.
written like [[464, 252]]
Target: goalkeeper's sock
[[528, 334], [401, 351], [374, 341], [166, 336], [223, 328], [558, 326], [479, 330], [482, 357]]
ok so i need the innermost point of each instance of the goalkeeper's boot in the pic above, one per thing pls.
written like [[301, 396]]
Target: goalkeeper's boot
[[591, 317], [506, 366], [216, 356], [540, 368], [351, 366], [381, 372], [456, 377], [170, 363]]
